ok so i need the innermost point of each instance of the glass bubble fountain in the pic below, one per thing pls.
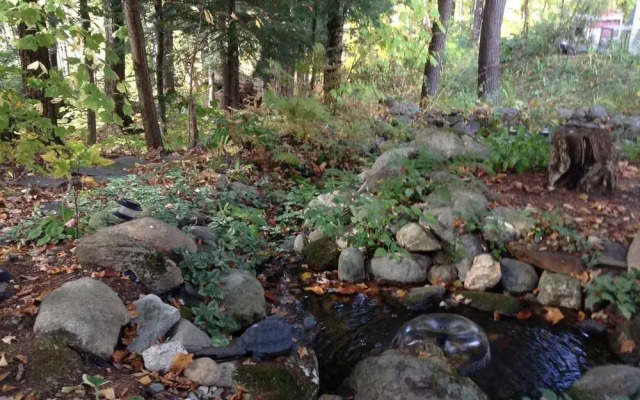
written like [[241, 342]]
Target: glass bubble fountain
[[463, 343]]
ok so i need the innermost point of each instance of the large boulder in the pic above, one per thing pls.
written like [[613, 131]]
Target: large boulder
[[159, 235], [560, 291], [423, 298], [85, 313], [466, 248], [322, 254], [387, 165], [400, 268], [160, 358], [491, 302], [154, 319], [484, 273], [517, 277], [243, 298], [351, 265], [189, 335], [122, 253], [394, 375], [607, 382], [505, 225], [442, 274], [415, 238], [633, 256], [447, 145], [553, 261]]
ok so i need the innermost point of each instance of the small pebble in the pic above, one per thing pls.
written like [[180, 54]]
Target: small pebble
[[202, 391], [193, 396], [216, 393], [156, 387]]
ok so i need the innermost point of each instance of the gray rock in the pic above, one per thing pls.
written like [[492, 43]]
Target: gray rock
[[287, 245], [6, 291], [484, 273], [244, 190], [607, 382], [42, 182], [227, 373], [316, 235], [129, 161], [447, 145], [578, 114], [322, 254], [159, 358], [416, 238], [402, 108], [203, 391], [401, 268], [87, 314], [191, 337], [159, 235], [560, 291], [505, 225], [300, 243], [331, 199], [154, 319], [102, 219], [243, 298], [156, 387], [351, 265], [517, 277], [466, 247], [207, 238], [614, 255], [122, 253], [222, 182], [469, 128], [633, 131], [633, 256], [439, 274], [599, 113], [490, 302], [423, 298], [203, 372], [394, 375], [564, 113], [387, 165]]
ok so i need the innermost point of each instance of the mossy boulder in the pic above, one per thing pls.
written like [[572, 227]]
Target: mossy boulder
[[102, 219], [490, 302], [52, 366], [322, 254]]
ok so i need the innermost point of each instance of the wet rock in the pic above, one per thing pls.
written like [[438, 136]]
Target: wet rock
[[449, 203], [591, 326], [154, 319], [159, 358], [633, 256], [102, 219], [387, 165], [607, 382], [87, 314], [416, 238], [243, 298], [203, 371], [466, 247], [448, 145], [400, 268], [300, 243], [351, 265], [191, 337], [598, 113], [484, 273], [490, 302], [122, 253], [423, 298], [205, 237], [394, 375], [322, 254], [442, 274], [159, 235], [560, 291], [553, 261], [517, 277], [620, 337]]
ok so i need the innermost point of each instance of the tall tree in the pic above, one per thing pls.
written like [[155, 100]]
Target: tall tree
[[169, 70], [525, 18], [477, 21], [88, 63], [113, 21], [314, 29], [433, 65], [160, 42], [489, 56], [335, 31], [231, 68], [153, 136]]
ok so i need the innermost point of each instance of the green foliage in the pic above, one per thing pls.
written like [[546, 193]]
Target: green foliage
[[95, 382], [302, 117], [623, 291], [519, 153], [631, 150], [289, 159], [43, 230]]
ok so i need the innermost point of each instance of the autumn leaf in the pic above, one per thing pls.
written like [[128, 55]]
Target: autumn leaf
[[3, 376], [305, 276], [401, 293], [8, 388], [8, 339], [180, 362], [3, 360], [302, 351], [271, 296], [581, 316], [627, 346], [315, 289], [22, 358], [496, 315], [119, 355], [523, 315], [145, 380], [553, 315], [108, 393]]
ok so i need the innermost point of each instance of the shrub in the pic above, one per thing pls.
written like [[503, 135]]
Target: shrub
[[623, 291], [519, 153]]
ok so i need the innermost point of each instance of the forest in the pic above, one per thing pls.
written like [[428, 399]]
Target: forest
[[320, 199]]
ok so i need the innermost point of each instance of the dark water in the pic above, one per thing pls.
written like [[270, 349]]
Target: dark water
[[525, 355]]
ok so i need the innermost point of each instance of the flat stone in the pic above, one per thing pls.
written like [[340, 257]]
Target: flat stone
[[423, 298], [517, 277], [159, 358], [484, 273], [203, 371], [607, 382], [614, 256], [401, 268], [448, 145], [42, 182], [129, 161], [490, 302], [191, 337], [154, 319], [243, 298], [559, 291], [351, 265], [553, 261], [87, 313], [415, 238]]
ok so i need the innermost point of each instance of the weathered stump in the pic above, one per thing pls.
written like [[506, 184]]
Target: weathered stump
[[584, 159]]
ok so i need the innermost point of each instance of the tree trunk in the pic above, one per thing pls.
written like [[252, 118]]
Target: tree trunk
[[212, 88], [335, 31], [109, 84], [489, 56], [231, 68], [525, 17], [162, 106], [152, 133], [41, 55], [477, 21], [117, 20], [88, 63], [314, 28], [169, 70], [583, 159], [432, 71], [53, 52]]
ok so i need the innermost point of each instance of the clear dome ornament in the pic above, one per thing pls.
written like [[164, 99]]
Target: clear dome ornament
[[462, 341]]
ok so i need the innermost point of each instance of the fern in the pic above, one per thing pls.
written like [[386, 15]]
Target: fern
[[289, 159]]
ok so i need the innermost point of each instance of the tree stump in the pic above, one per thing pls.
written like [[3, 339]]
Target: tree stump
[[583, 158]]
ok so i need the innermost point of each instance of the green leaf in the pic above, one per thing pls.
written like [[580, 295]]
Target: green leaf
[[94, 380], [380, 252], [30, 15]]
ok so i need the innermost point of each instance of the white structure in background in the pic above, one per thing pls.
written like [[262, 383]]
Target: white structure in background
[[634, 38], [605, 28]]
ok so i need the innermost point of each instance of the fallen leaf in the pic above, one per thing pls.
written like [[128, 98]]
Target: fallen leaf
[[8, 388], [145, 380], [271, 296], [3, 360], [523, 315], [315, 289], [496, 315], [401, 293], [22, 358], [89, 183], [119, 355], [180, 362], [627, 346], [9, 339], [302, 351], [553, 315], [31, 310], [581, 316], [108, 393]]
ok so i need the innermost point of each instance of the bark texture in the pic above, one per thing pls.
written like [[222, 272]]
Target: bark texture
[[584, 159], [489, 56], [162, 107], [153, 136], [169, 70], [335, 45], [88, 63], [231, 69], [116, 16], [477, 20], [431, 79]]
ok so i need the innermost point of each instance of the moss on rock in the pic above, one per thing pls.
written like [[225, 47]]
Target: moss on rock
[[491, 302], [274, 382]]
